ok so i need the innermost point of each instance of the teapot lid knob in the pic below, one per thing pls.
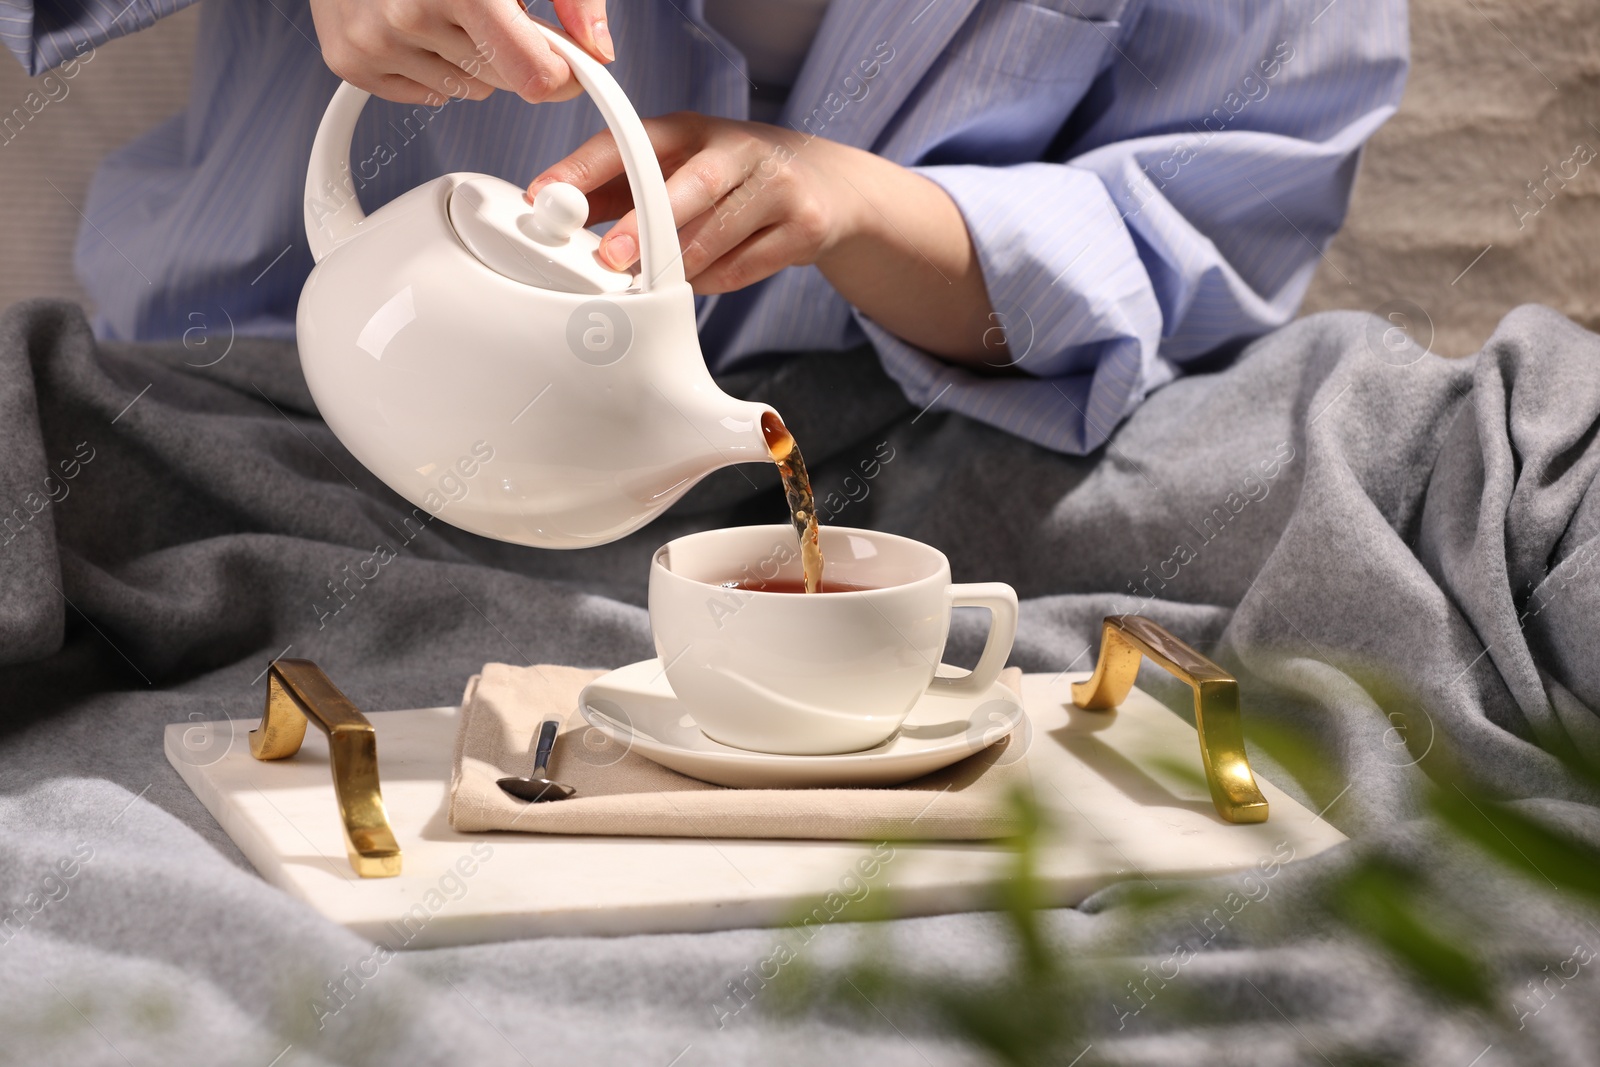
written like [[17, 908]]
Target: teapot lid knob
[[544, 246], [559, 211]]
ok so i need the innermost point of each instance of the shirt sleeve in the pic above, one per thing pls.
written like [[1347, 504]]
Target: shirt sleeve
[[44, 36], [1182, 217]]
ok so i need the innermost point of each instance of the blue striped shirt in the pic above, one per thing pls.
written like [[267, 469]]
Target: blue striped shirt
[[1144, 180]]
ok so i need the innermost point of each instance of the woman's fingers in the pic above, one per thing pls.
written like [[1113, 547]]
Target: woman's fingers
[[519, 54], [446, 79], [760, 256], [675, 138], [589, 166], [619, 248], [705, 175], [715, 233], [745, 206], [585, 22], [374, 44], [611, 201], [597, 160], [715, 205], [710, 221], [394, 87], [472, 57]]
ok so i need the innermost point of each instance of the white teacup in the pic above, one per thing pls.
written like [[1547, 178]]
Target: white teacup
[[819, 673]]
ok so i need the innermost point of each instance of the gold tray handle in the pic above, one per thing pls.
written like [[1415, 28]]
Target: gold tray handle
[[1216, 706], [298, 691]]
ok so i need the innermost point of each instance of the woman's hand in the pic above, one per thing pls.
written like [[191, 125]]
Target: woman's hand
[[422, 51], [751, 199]]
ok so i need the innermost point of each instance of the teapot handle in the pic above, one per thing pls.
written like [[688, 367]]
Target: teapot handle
[[333, 214]]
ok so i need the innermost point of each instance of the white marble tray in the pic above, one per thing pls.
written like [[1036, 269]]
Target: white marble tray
[[1119, 815]]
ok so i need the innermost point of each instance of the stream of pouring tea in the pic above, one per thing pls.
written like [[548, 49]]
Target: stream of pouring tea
[[797, 488]]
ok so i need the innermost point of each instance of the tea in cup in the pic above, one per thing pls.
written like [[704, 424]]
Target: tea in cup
[[762, 665]]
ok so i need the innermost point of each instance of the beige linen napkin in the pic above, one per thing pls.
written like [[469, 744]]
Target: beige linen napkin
[[623, 793]]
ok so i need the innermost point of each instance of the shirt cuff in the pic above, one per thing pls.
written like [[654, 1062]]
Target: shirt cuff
[[1068, 288]]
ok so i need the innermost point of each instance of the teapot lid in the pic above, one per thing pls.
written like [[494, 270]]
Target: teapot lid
[[545, 245]]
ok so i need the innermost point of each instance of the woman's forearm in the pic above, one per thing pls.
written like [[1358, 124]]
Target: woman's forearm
[[906, 259]]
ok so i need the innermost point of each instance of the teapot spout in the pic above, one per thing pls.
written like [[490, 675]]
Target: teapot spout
[[739, 431]]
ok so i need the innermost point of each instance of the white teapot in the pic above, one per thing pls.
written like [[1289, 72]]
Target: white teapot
[[476, 355]]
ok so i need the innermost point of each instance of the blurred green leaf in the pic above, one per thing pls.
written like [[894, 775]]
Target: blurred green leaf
[[1139, 897], [1021, 895], [1381, 900], [1037, 1009], [1186, 771], [1290, 748], [1522, 843], [1022, 1025]]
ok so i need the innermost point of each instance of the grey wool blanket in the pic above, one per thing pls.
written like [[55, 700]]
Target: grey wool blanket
[[1397, 557]]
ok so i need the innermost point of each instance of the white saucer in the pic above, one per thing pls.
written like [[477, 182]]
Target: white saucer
[[635, 706]]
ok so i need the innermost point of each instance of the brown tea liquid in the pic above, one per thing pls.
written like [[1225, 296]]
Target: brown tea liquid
[[797, 489], [793, 585]]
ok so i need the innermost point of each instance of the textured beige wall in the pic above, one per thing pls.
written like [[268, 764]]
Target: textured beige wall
[[1499, 90]]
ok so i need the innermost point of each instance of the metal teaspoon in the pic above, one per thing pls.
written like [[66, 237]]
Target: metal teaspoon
[[537, 787]]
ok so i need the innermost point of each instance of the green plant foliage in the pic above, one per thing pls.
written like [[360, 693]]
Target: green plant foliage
[[1383, 901], [1038, 1009], [1522, 843]]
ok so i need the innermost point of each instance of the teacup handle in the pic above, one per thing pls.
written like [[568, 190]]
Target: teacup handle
[[1001, 600]]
